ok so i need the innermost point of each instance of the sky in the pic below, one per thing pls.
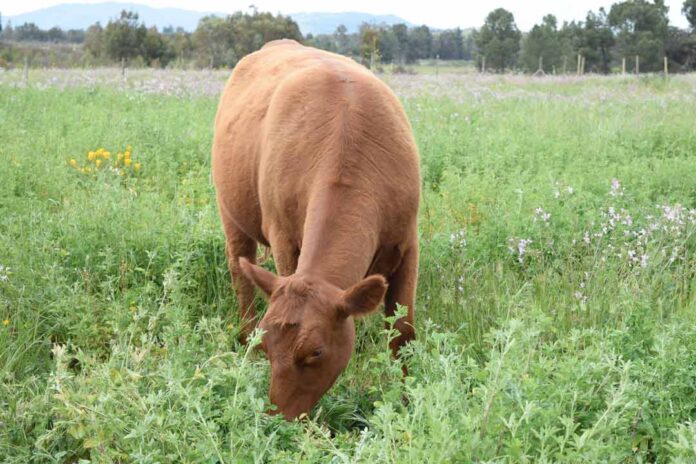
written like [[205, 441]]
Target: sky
[[434, 13]]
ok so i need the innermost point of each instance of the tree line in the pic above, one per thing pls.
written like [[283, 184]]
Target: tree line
[[630, 29], [216, 42], [601, 42]]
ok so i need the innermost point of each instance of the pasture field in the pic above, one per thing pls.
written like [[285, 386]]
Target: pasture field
[[556, 310]]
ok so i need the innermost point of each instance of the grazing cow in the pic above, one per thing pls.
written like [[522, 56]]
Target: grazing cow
[[314, 157]]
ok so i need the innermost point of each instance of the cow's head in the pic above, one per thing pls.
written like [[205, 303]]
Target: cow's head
[[309, 332]]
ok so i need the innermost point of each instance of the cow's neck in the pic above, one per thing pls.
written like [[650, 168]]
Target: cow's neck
[[340, 236]]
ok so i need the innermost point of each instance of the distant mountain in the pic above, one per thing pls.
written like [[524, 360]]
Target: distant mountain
[[81, 15], [326, 23]]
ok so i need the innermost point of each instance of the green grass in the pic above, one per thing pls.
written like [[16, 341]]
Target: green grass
[[118, 340]]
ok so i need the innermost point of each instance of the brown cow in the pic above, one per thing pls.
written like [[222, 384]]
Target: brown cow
[[314, 157]]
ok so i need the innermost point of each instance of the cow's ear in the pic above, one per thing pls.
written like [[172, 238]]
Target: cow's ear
[[364, 297], [265, 280]]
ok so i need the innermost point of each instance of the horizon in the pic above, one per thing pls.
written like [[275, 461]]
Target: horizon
[[436, 14]]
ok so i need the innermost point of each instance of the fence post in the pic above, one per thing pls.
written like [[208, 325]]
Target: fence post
[[565, 63], [623, 65], [437, 66], [123, 68], [637, 64], [666, 67], [579, 58], [582, 65], [483, 64]]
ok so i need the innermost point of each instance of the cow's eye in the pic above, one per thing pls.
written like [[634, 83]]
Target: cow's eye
[[313, 357]]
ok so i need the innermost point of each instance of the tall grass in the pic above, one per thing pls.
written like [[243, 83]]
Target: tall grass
[[556, 310]]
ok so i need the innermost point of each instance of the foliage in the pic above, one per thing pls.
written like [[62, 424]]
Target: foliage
[[369, 45], [680, 48], [641, 29], [94, 40], [225, 41], [543, 42], [633, 27], [593, 39], [450, 44], [31, 32], [123, 37], [499, 40], [689, 10], [556, 308]]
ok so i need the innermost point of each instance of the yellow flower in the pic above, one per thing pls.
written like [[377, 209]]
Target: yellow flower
[[119, 156], [128, 154], [107, 155], [73, 162], [137, 166], [88, 170], [127, 162], [6, 322], [91, 155], [83, 170], [121, 173], [98, 163]]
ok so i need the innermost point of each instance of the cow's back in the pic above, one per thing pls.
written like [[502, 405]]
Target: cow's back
[[291, 120]]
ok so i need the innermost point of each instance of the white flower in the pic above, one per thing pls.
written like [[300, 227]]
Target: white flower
[[520, 248], [4, 273], [458, 239], [540, 214], [616, 190]]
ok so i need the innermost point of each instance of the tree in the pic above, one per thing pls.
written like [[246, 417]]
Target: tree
[[179, 44], [369, 45], [342, 39], [393, 43], [469, 46], [8, 31], [449, 44], [94, 40], [420, 43], [75, 36], [543, 41], [593, 39], [689, 10], [29, 32], [55, 34], [213, 38], [641, 29], [680, 48], [225, 41], [123, 37], [499, 40], [154, 50]]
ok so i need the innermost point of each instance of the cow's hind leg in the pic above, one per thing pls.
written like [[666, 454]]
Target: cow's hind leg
[[402, 291], [240, 245]]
